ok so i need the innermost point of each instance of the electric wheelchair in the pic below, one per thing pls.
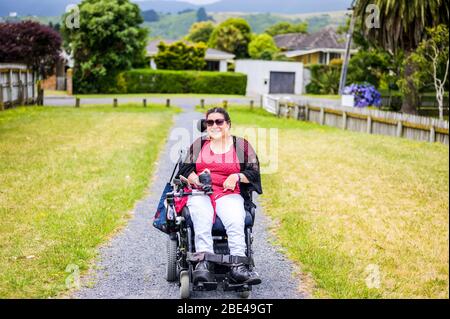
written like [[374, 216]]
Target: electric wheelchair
[[181, 254]]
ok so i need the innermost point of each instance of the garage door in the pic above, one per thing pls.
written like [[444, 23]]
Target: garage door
[[282, 82]]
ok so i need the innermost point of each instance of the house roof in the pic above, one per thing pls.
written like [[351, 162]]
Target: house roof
[[289, 41], [326, 38], [211, 54]]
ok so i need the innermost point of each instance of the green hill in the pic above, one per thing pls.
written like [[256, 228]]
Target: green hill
[[175, 26], [172, 26]]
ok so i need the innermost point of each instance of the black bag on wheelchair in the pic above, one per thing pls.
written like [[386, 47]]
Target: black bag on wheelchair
[[160, 218]]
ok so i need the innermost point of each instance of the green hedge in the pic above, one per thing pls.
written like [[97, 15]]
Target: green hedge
[[165, 81]]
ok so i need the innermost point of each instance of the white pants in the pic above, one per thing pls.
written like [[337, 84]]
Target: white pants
[[230, 209]]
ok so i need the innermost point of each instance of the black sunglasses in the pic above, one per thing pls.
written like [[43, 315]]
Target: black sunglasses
[[219, 122]]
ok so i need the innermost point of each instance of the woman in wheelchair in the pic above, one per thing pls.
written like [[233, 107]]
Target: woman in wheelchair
[[233, 168]]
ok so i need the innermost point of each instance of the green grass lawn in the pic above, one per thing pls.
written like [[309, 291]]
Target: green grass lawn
[[347, 204], [69, 179]]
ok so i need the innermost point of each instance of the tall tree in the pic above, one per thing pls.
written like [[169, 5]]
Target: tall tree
[[401, 27], [109, 40], [200, 32], [262, 47], [285, 27], [202, 15], [432, 61], [232, 35], [31, 43]]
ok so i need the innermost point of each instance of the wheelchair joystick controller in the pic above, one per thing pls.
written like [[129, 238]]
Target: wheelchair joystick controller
[[206, 182]]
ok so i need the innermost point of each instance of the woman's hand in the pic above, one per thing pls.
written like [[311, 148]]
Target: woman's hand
[[230, 182], [194, 179]]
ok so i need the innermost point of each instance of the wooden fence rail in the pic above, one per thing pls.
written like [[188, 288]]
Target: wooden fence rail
[[365, 120]]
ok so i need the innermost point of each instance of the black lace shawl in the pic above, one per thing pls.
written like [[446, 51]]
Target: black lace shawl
[[248, 161]]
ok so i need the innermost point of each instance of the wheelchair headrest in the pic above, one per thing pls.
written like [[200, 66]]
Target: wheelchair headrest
[[201, 125]]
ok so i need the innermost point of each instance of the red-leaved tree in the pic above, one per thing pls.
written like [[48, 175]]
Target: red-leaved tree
[[31, 43]]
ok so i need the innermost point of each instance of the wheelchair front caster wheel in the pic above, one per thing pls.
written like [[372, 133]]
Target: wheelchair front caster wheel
[[244, 294], [184, 285]]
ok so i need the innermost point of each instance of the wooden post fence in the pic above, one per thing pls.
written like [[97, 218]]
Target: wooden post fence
[[21, 94], [432, 134], [370, 121], [369, 125], [399, 129], [322, 116], [344, 120], [2, 106]]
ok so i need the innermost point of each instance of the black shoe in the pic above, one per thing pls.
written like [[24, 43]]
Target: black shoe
[[202, 272], [242, 275]]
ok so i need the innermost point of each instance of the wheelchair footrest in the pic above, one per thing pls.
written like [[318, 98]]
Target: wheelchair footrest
[[205, 286], [227, 286], [219, 258]]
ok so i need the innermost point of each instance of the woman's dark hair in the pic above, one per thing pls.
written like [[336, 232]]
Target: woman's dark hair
[[220, 110]]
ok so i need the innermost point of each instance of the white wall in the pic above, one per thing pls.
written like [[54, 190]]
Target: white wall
[[258, 74], [306, 78], [223, 66], [153, 64]]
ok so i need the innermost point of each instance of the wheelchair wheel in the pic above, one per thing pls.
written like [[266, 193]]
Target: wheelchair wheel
[[172, 245], [244, 294], [184, 285]]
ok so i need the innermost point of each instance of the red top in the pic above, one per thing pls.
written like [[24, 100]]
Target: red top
[[221, 166]]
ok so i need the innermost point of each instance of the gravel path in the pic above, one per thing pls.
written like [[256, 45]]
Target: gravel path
[[133, 264]]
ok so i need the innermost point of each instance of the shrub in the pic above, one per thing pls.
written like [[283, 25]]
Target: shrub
[[262, 47], [368, 67], [324, 79], [365, 95], [167, 81], [181, 56]]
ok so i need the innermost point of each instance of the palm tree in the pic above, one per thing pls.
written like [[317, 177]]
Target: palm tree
[[402, 26]]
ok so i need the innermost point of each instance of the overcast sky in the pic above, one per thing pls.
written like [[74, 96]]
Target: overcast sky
[[191, 1], [200, 1]]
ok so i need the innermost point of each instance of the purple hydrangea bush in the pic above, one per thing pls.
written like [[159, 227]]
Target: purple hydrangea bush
[[365, 95]]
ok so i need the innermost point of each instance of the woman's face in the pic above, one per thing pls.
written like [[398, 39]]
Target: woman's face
[[216, 126]]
